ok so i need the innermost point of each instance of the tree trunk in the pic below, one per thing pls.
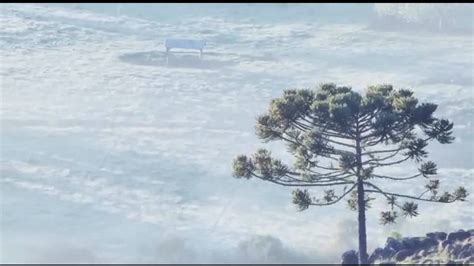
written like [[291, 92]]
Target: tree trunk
[[361, 219], [361, 204]]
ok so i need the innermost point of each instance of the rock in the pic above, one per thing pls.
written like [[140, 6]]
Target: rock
[[458, 236], [427, 261], [412, 243], [468, 246], [394, 244], [381, 254], [455, 250], [466, 251], [422, 253], [350, 257], [469, 239], [445, 244], [464, 254], [376, 255], [428, 243], [403, 254], [389, 253], [437, 235], [469, 260], [435, 248]]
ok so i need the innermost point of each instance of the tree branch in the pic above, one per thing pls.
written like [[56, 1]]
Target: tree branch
[[381, 159], [337, 200], [317, 175], [300, 185], [318, 180], [398, 178], [383, 151], [385, 164], [388, 194]]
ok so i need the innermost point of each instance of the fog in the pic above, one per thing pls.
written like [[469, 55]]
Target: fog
[[111, 155]]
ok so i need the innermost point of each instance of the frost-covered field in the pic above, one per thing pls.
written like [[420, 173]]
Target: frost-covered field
[[109, 155]]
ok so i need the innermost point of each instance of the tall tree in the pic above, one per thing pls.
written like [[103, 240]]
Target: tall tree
[[341, 140]]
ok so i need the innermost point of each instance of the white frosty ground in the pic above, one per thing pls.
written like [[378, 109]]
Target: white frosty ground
[[107, 155]]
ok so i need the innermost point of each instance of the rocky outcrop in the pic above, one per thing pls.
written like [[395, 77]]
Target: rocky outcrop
[[435, 248], [350, 257]]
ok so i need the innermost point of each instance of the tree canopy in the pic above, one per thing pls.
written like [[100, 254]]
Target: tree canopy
[[340, 138]]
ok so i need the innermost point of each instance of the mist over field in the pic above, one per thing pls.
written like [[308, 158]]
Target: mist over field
[[110, 155]]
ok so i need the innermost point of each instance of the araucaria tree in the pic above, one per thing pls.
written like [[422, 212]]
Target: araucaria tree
[[341, 140]]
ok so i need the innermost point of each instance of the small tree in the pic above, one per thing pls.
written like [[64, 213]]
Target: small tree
[[341, 139]]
